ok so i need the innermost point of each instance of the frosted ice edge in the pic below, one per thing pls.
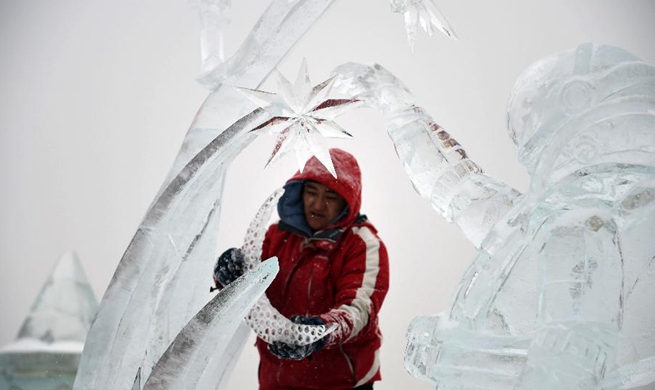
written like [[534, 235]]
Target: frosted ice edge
[[209, 332], [123, 336]]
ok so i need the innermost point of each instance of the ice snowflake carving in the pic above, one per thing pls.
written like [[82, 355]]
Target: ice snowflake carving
[[302, 117], [422, 13], [560, 294]]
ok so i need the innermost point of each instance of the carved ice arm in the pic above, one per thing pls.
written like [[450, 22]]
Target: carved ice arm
[[437, 165]]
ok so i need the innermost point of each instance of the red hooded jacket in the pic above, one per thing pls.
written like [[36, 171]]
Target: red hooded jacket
[[340, 273]]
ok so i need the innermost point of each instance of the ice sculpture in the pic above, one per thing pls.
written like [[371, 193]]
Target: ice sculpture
[[422, 13], [157, 286], [302, 117], [560, 295], [194, 358], [213, 17], [47, 350], [279, 27]]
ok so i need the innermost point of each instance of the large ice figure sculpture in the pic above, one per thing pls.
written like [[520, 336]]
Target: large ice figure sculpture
[[561, 293]]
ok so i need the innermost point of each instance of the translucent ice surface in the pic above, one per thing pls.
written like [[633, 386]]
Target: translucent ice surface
[[193, 360], [64, 308], [437, 165], [302, 117], [157, 286], [48, 347], [423, 13], [279, 27], [560, 295]]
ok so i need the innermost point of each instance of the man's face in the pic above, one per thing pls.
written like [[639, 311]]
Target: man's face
[[322, 205]]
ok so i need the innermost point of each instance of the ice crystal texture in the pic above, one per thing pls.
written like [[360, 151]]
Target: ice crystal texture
[[302, 116], [213, 17], [158, 286], [423, 13], [282, 24], [64, 308], [560, 295], [201, 352], [47, 350]]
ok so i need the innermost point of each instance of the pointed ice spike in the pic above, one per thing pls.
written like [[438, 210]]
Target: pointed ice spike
[[330, 129], [332, 108], [205, 339], [303, 86], [425, 21], [65, 307], [275, 125], [137, 380], [320, 150], [260, 98], [320, 93], [282, 145], [285, 91], [437, 19], [302, 150]]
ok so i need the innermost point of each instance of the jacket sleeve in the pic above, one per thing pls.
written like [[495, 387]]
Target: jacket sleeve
[[360, 288]]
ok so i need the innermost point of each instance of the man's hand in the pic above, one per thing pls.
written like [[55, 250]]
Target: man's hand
[[229, 267], [299, 352]]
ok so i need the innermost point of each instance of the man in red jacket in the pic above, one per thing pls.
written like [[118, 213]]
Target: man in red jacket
[[333, 270]]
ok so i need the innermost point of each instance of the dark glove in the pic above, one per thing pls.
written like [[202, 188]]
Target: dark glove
[[299, 352], [229, 267]]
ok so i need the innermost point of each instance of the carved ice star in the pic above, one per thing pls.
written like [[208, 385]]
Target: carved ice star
[[302, 117], [424, 13]]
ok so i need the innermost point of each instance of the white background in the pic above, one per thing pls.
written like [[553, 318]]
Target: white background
[[95, 99]]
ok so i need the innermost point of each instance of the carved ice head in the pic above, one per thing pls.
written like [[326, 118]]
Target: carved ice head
[[558, 97]]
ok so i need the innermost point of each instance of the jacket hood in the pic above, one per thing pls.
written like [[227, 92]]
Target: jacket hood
[[348, 184]]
